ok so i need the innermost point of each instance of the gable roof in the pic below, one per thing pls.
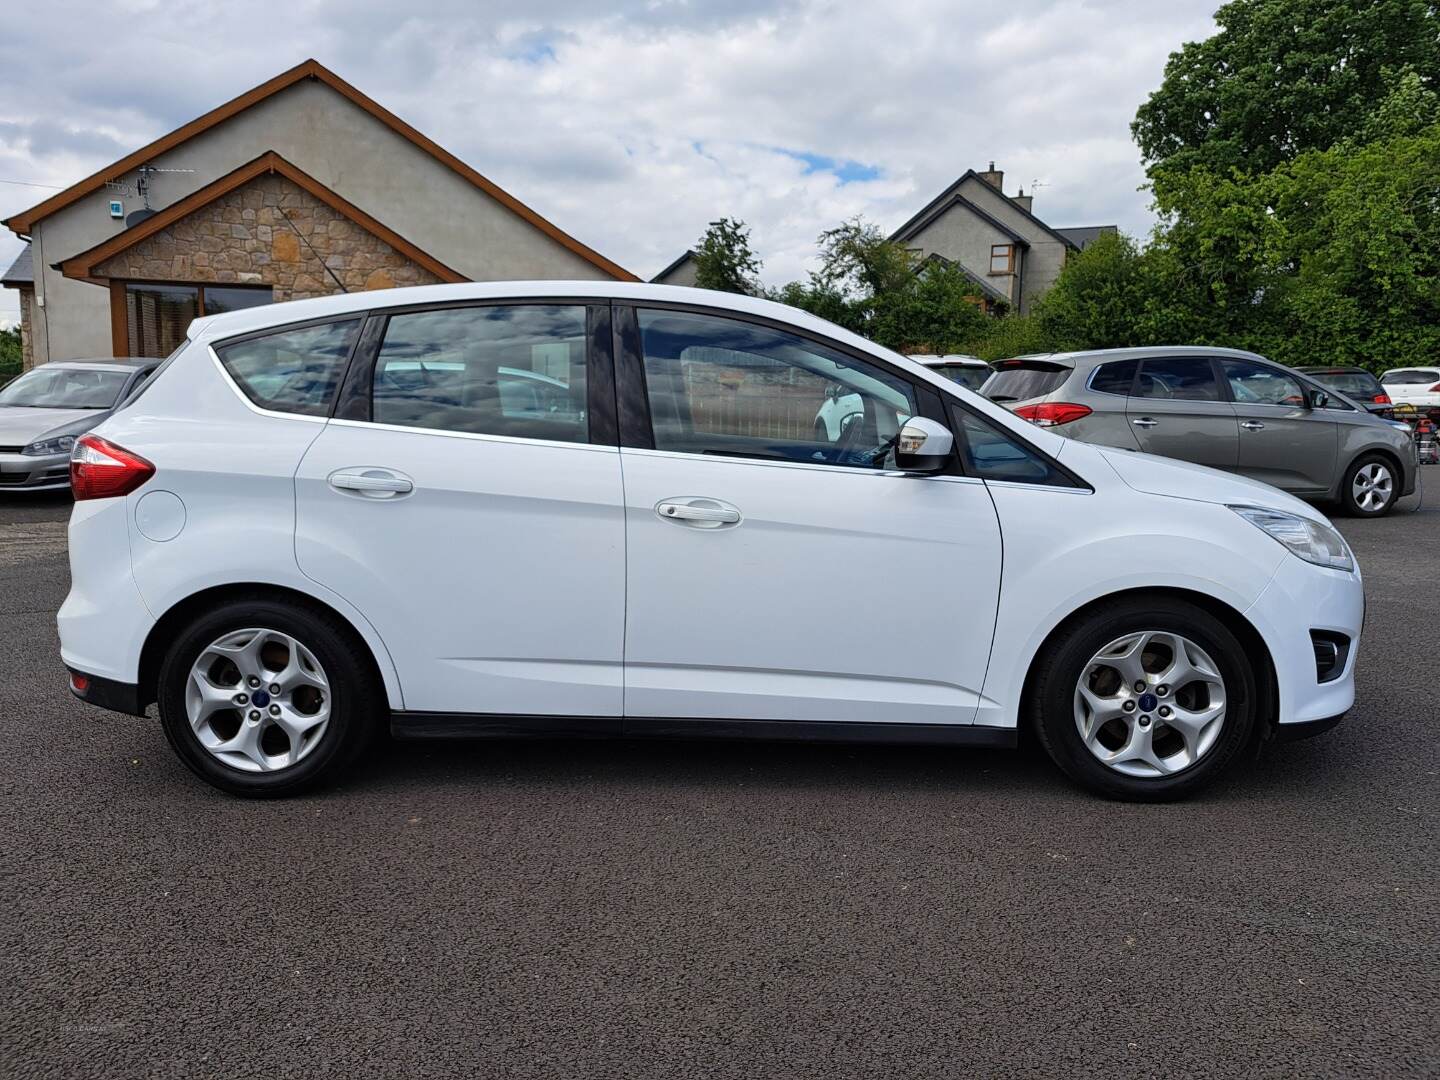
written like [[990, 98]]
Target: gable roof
[[1082, 236], [24, 221], [689, 254], [83, 265], [951, 196], [21, 273]]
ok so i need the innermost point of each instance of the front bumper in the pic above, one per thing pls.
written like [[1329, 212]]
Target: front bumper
[[1299, 599], [19, 472]]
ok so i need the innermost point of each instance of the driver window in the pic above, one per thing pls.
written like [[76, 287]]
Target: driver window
[[1255, 384], [724, 387]]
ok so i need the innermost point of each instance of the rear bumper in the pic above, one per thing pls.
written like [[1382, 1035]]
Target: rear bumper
[[104, 622], [106, 693], [21, 473]]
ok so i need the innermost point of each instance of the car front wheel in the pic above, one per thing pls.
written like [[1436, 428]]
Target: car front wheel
[[266, 699], [1370, 487], [1145, 699]]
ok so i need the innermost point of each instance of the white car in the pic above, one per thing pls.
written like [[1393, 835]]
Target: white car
[[1418, 386], [291, 542]]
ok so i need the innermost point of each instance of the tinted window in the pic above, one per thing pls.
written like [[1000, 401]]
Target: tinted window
[[1019, 380], [294, 371], [1181, 378], [724, 387], [1410, 376], [1115, 377], [51, 387], [1360, 385], [994, 454], [1256, 384], [516, 370], [969, 376]]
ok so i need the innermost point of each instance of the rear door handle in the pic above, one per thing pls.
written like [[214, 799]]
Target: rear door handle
[[697, 512], [1253, 425], [372, 483], [1145, 421]]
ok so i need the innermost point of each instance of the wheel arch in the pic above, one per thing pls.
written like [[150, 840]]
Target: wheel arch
[[1266, 680], [152, 653], [1373, 450]]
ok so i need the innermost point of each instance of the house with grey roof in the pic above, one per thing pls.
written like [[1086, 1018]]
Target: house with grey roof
[[996, 239], [302, 186], [680, 272]]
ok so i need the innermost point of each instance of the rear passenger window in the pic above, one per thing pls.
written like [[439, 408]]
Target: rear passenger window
[[1115, 377], [294, 371], [516, 370], [1181, 378]]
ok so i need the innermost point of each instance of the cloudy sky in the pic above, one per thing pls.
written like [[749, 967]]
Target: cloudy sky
[[631, 124]]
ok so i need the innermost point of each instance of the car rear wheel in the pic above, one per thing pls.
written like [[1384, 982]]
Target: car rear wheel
[[1144, 700], [265, 699], [1370, 487]]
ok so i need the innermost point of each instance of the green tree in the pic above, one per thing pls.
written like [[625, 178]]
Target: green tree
[[9, 353], [1279, 78], [724, 261], [1099, 299]]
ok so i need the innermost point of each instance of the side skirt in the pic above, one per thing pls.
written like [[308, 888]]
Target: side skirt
[[428, 725]]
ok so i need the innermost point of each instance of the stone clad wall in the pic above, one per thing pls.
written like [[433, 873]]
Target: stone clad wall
[[269, 232], [27, 329]]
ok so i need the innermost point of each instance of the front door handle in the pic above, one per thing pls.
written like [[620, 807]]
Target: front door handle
[[1145, 421], [371, 482], [1253, 425], [698, 513]]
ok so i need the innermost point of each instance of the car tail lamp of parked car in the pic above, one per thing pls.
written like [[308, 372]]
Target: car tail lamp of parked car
[[101, 470], [1052, 413], [1382, 399]]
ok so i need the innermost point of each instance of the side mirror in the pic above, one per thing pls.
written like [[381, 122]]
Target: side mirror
[[923, 445], [1319, 399]]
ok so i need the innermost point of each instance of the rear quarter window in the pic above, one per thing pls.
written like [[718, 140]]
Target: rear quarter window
[[1020, 380], [293, 371]]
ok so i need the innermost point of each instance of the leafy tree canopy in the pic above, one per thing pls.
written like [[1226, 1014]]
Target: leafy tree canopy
[[724, 261]]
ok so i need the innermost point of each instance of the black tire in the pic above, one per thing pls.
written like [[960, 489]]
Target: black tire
[[1051, 698], [1347, 486], [357, 700]]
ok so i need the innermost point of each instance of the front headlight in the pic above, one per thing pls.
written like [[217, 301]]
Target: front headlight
[[42, 447], [1311, 540]]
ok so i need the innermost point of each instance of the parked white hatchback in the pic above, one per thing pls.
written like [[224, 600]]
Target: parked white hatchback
[[602, 509]]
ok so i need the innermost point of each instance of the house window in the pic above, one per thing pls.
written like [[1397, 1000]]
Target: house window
[[1002, 258], [157, 316]]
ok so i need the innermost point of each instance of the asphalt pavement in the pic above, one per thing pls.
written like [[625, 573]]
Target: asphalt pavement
[[659, 910]]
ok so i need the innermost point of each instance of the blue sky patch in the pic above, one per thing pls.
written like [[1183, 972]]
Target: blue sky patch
[[845, 170]]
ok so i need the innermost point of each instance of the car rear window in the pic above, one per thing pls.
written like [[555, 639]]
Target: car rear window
[[293, 371], [1019, 380], [1410, 376], [970, 376], [1357, 384]]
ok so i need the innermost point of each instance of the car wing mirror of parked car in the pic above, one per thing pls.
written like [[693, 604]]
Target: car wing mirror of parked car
[[923, 445], [1319, 399]]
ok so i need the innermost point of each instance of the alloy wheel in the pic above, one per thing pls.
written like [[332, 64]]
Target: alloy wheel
[[258, 700], [1150, 704], [1372, 487]]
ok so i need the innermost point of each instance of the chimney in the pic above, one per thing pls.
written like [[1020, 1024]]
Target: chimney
[[1022, 200], [993, 178]]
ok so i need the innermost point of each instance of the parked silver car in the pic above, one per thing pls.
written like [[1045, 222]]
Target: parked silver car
[[1219, 407], [45, 409]]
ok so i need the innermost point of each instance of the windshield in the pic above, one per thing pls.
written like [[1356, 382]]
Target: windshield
[[65, 388], [967, 375], [1019, 380]]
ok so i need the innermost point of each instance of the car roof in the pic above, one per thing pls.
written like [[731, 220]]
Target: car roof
[[1098, 356], [121, 363], [1333, 371]]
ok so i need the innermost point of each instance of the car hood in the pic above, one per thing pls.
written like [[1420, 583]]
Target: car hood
[[1155, 475], [21, 424]]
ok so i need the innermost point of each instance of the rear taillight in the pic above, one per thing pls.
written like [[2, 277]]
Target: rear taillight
[[1434, 389], [1383, 399], [1052, 413], [101, 470]]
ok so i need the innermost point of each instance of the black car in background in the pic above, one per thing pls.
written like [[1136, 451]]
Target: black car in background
[[1357, 384]]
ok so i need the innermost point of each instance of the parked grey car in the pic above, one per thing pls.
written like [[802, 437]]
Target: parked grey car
[[1219, 407], [45, 409]]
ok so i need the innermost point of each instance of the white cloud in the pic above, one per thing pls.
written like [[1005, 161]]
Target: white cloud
[[633, 126]]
